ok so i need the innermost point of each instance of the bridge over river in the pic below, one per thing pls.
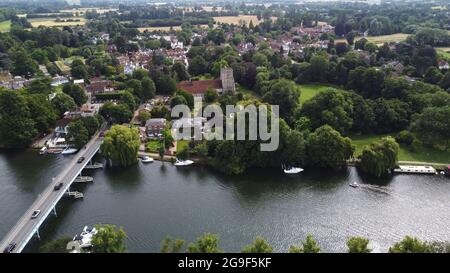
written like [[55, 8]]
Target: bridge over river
[[26, 227]]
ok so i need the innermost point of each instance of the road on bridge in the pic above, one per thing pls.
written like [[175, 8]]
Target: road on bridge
[[26, 227]]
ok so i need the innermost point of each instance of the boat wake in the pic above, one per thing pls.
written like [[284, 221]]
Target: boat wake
[[376, 188]]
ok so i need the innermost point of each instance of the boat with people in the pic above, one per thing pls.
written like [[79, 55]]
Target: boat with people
[[354, 184], [68, 151], [146, 159], [181, 163], [291, 169]]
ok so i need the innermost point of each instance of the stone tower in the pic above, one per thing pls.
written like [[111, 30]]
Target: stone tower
[[226, 76]]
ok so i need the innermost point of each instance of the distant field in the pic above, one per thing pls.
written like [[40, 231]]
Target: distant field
[[380, 40], [210, 9], [237, 19], [165, 29], [83, 10], [50, 22], [61, 66], [307, 91], [420, 153], [444, 52], [5, 26]]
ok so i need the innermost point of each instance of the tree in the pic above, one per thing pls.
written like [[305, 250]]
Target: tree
[[350, 37], [327, 148], [319, 68], [143, 116], [358, 245], [77, 134], [169, 245], [308, 246], [330, 107], [76, 92], [56, 246], [379, 157], [23, 64], [177, 100], [91, 123], [63, 103], [211, 95], [128, 99], [40, 86], [433, 75], [79, 70], [390, 115], [41, 111], [445, 81], [148, 88], [432, 126], [121, 145], [17, 128], [405, 137], [197, 66], [109, 239], [284, 93], [259, 59], [259, 245], [410, 245], [180, 71], [207, 243], [116, 113]]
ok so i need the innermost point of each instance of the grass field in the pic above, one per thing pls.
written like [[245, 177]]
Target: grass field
[[5, 26], [419, 153], [152, 145], [63, 67], [165, 29], [50, 22], [83, 10], [181, 144], [238, 19], [307, 91], [380, 40], [444, 52]]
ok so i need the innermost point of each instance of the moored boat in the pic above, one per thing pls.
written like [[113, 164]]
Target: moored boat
[[181, 163], [68, 151], [291, 169], [146, 159]]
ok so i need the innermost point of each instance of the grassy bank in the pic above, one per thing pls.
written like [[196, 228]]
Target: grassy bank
[[419, 153], [5, 26]]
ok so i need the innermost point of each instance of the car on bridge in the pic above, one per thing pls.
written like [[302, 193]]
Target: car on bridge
[[81, 159], [35, 214], [9, 248], [58, 186]]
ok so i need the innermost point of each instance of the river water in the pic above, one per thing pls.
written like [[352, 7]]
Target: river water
[[155, 200]]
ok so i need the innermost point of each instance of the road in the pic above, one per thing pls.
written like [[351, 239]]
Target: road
[[26, 227]]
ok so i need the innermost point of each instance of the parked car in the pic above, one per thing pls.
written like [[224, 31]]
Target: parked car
[[35, 214], [58, 186], [9, 248], [81, 159]]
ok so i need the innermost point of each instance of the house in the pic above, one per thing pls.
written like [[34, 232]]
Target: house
[[198, 88], [79, 81], [98, 86], [61, 126], [443, 65], [154, 127], [397, 66], [58, 80], [16, 83]]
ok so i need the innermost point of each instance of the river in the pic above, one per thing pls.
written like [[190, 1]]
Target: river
[[155, 200]]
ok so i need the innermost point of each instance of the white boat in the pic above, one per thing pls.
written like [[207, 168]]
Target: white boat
[[354, 184], [181, 163], [94, 166], [85, 238], [43, 150], [146, 159], [291, 170], [415, 169], [68, 151]]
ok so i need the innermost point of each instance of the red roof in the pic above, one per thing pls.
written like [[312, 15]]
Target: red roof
[[199, 87]]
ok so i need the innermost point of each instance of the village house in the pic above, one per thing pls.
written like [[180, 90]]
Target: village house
[[15, 83], [99, 86], [192, 125], [58, 80], [154, 127], [222, 85]]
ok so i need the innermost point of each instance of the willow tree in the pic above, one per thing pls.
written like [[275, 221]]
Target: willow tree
[[121, 145], [380, 156]]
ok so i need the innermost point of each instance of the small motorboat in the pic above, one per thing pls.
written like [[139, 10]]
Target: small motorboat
[[354, 184], [146, 159], [181, 163], [291, 170], [43, 150], [68, 151]]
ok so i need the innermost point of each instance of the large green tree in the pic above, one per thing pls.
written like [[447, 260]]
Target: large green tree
[[77, 134], [379, 157], [121, 145], [109, 239], [432, 126], [308, 246], [76, 92], [358, 245], [207, 243], [259, 245]]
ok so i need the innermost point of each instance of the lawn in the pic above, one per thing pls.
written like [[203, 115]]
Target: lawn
[[152, 145], [419, 153], [166, 29], [181, 144], [444, 52], [310, 90], [5, 26], [248, 94]]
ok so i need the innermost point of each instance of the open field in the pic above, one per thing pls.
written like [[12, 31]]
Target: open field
[[380, 40], [444, 52], [5, 26], [63, 67], [50, 22], [238, 19], [307, 91], [419, 153], [82, 11], [165, 29]]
